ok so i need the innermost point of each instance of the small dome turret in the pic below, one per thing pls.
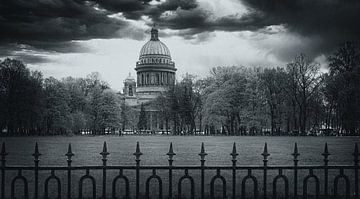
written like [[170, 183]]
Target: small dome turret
[[130, 78]]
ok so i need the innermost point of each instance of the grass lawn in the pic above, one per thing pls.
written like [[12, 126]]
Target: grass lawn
[[154, 149]]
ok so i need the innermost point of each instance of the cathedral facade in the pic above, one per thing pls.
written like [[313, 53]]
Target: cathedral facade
[[155, 73]]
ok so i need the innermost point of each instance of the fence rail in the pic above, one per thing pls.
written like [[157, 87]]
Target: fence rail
[[237, 187]]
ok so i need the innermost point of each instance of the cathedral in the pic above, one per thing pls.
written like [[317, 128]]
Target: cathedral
[[155, 73]]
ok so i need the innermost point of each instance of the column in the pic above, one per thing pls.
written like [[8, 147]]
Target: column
[[151, 122]]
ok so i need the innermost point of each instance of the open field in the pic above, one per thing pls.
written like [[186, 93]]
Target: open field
[[154, 149]]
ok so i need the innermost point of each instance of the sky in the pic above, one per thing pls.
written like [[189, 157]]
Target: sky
[[76, 37]]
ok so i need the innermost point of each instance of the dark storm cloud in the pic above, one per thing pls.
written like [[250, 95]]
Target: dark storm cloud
[[175, 4], [327, 22], [31, 58], [302, 16], [37, 51], [198, 22], [52, 24], [131, 9]]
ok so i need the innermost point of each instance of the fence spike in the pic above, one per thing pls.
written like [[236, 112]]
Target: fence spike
[[69, 153], [36, 154], [265, 152], [3, 151], [296, 151], [137, 153], [326, 151], [234, 153], [202, 153], [171, 151], [326, 154], [104, 152], [356, 153], [356, 150]]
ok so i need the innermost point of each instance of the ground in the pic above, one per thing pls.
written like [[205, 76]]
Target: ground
[[154, 149]]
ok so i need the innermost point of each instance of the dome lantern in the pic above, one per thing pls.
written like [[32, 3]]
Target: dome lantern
[[154, 35]]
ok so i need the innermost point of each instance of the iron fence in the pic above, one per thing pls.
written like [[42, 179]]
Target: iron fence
[[235, 191]]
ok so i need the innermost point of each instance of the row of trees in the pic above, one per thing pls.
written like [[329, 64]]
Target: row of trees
[[295, 99], [32, 105]]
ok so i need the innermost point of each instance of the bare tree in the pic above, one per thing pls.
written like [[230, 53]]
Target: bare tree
[[304, 79]]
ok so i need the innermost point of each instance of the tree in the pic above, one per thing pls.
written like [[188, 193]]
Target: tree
[[20, 98], [129, 117], [57, 114], [226, 99], [304, 81], [343, 87], [163, 105], [142, 123], [272, 83], [110, 111], [104, 106], [189, 103]]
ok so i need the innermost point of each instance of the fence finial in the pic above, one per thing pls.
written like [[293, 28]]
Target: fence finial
[[356, 153], [202, 153], [265, 152], [36, 154], [234, 153], [171, 151], [137, 153], [3, 151], [326, 154], [104, 152], [171, 154], [296, 152], [69, 153]]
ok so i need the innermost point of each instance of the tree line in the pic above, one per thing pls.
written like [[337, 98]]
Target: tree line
[[296, 99], [33, 105]]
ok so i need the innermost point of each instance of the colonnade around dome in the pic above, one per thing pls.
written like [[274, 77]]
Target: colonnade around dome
[[155, 79]]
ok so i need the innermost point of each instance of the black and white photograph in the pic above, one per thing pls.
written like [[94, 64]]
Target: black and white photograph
[[187, 99]]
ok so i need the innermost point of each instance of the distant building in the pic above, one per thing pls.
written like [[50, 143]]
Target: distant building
[[155, 73]]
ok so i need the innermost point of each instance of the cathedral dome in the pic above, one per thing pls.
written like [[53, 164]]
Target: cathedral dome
[[154, 47], [155, 70]]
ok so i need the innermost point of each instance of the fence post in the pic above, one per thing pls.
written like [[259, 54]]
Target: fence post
[[326, 170], [356, 163], [202, 155], [170, 154], [265, 154], [104, 154], [69, 155], [36, 155], [295, 155], [234, 154], [3, 155], [137, 155]]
